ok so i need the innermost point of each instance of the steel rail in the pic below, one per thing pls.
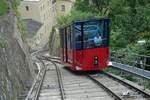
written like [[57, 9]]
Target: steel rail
[[60, 82], [59, 78], [40, 85], [129, 85], [132, 70], [41, 81], [36, 79], [33, 86], [52, 57], [105, 88]]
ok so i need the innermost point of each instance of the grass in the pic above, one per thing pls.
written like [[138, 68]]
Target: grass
[[130, 78], [114, 71], [147, 85], [3, 7]]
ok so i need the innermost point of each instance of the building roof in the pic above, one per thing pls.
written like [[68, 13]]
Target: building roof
[[52, 1], [68, 0], [32, 27]]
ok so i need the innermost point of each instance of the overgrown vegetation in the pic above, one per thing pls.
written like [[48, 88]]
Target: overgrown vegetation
[[20, 23], [3, 43], [3, 7], [130, 20]]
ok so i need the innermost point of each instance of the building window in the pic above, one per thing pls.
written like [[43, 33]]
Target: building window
[[53, 1], [41, 8], [44, 17], [62, 7], [27, 8]]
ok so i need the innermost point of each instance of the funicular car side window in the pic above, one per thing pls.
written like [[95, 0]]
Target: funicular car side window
[[78, 36], [105, 33], [68, 37]]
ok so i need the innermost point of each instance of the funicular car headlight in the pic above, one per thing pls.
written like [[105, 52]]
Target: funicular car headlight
[[95, 60]]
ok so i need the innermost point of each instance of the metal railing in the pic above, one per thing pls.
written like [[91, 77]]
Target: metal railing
[[132, 59]]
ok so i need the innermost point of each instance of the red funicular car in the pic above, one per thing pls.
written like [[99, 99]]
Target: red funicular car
[[85, 44]]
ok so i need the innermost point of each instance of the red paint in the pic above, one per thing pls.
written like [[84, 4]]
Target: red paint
[[84, 59]]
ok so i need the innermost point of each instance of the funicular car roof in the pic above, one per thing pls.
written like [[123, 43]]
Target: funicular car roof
[[82, 21]]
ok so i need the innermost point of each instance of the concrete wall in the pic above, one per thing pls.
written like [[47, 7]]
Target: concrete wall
[[67, 4], [41, 12], [32, 13], [16, 66], [46, 12]]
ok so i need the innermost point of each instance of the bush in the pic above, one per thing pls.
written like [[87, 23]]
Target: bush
[[3, 7]]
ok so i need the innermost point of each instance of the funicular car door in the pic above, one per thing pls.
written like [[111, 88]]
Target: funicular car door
[[71, 44], [78, 45], [65, 45], [62, 43], [69, 48]]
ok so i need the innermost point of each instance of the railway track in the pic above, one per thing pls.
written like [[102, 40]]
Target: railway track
[[119, 88], [58, 83], [79, 87], [51, 87]]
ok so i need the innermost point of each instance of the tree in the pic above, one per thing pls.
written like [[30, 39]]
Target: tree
[[130, 19]]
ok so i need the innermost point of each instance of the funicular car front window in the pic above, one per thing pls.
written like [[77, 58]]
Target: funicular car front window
[[92, 34], [95, 34]]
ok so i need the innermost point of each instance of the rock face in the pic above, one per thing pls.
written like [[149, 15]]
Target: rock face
[[16, 66]]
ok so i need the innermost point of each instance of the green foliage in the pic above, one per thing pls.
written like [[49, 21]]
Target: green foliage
[[3, 43], [130, 21], [147, 85], [3, 7], [85, 9], [114, 71], [21, 25], [75, 15], [15, 4], [130, 78], [140, 49]]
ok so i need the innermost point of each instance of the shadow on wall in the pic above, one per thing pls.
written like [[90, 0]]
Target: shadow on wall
[[54, 42]]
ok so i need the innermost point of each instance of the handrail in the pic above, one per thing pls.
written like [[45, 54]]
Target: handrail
[[134, 54]]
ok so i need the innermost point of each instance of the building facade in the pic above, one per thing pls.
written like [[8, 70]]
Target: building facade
[[44, 12]]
